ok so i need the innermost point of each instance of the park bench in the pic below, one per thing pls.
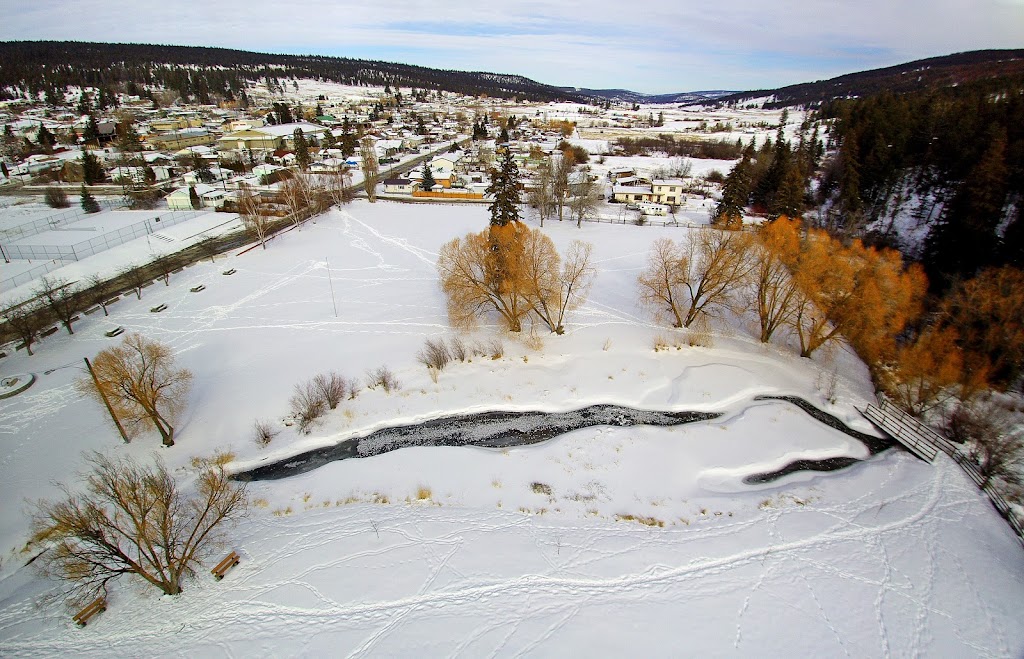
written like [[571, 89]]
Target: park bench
[[115, 332], [229, 561], [229, 272], [96, 606], [158, 308], [196, 289]]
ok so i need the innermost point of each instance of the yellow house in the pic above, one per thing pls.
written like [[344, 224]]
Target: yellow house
[[180, 139], [175, 123], [269, 138], [668, 191]]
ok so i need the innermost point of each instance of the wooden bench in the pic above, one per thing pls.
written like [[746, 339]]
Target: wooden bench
[[229, 272], [158, 308], [229, 561], [115, 332], [96, 606], [196, 289]]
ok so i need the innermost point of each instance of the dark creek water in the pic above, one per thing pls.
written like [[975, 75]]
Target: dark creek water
[[873, 443], [485, 429], [504, 429]]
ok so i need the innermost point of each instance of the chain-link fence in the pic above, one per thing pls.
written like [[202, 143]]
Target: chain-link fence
[[103, 242], [55, 221]]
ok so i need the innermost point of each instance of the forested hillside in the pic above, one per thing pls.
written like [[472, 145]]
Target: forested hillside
[[207, 74], [945, 71], [953, 157]]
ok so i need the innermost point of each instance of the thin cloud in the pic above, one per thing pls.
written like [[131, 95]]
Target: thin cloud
[[668, 46]]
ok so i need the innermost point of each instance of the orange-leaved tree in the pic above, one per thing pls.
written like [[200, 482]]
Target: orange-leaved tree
[[140, 383], [854, 291], [988, 314], [926, 372], [513, 270]]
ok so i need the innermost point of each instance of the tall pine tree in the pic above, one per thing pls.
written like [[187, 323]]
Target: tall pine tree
[[505, 188]]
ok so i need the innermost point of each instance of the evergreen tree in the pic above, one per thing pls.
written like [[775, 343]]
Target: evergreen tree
[[966, 237], [45, 139], [193, 198], [503, 137], [505, 188], [92, 170], [428, 178], [89, 203], [329, 140], [128, 140], [91, 134], [736, 190], [301, 149]]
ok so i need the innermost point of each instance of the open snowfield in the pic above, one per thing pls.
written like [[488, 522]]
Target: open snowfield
[[606, 541]]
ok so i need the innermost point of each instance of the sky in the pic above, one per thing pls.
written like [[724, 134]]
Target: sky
[[657, 47]]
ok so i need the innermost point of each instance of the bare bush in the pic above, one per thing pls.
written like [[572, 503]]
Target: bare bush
[[332, 388], [495, 348], [458, 349], [382, 377], [263, 432], [307, 405], [132, 519], [434, 354], [994, 438]]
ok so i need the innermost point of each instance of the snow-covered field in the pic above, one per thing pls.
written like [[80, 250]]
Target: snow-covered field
[[605, 541]]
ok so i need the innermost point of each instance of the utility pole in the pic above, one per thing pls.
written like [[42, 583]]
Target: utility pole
[[106, 402], [331, 282]]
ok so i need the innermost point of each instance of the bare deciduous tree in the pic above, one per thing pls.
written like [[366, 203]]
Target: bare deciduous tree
[[25, 321], [773, 290], [692, 280], [586, 199], [133, 519], [295, 198], [368, 155], [338, 186], [59, 296], [141, 383], [135, 277], [97, 291], [254, 221], [663, 283], [554, 286], [542, 197]]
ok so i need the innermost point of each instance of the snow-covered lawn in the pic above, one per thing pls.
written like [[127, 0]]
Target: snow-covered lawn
[[607, 541]]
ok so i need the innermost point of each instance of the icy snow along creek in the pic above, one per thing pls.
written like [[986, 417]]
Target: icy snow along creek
[[501, 429]]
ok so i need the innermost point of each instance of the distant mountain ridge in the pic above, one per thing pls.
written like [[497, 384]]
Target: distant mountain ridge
[[944, 71], [199, 71], [627, 96]]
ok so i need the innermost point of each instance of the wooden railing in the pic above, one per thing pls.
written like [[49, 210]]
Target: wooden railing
[[925, 443]]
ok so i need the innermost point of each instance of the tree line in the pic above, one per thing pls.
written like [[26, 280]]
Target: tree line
[[959, 150], [208, 74]]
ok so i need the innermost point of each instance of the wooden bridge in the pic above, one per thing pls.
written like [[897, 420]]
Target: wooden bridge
[[925, 443]]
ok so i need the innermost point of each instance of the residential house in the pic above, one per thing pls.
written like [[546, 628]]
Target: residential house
[[270, 138], [181, 139], [399, 186], [617, 173], [668, 191], [209, 197], [631, 194]]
